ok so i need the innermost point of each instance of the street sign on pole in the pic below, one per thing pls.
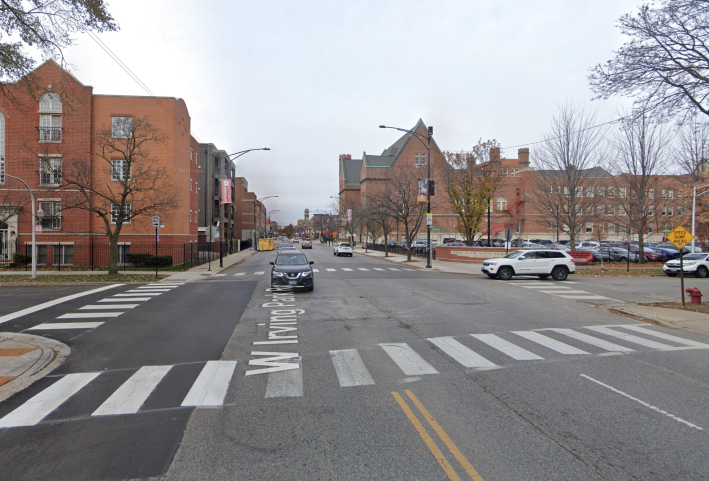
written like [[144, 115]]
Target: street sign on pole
[[156, 221], [680, 237], [429, 219], [349, 214]]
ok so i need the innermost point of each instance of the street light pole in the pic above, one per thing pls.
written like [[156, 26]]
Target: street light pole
[[694, 208], [255, 233], [427, 144], [34, 222]]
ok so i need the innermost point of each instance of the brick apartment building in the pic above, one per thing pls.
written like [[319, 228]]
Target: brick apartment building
[[43, 134], [513, 206]]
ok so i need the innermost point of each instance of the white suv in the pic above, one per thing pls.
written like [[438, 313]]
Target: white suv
[[342, 249], [537, 262]]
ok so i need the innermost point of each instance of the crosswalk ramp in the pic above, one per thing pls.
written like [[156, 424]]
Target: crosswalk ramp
[[206, 385], [561, 290], [92, 316]]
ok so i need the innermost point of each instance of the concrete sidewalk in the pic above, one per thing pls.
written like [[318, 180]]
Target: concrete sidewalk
[[420, 262], [696, 322], [205, 271], [26, 358]]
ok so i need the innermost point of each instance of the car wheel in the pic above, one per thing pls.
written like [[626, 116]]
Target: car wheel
[[702, 272], [560, 273], [544, 276], [670, 274], [623, 259], [350, 255], [505, 273]]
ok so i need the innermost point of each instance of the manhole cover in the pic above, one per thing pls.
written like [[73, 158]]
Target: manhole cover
[[321, 304]]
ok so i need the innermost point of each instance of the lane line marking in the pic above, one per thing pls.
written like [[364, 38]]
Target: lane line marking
[[212, 384], [445, 465], [630, 338], [350, 368], [505, 347], [408, 360], [444, 437], [39, 307], [64, 325], [550, 343], [461, 353], [647, 405], [108, 306], [128, 398], [42, 404], [594, 341]]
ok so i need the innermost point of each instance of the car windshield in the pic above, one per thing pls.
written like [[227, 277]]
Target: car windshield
[[344, 245], [694, 257], [514, 255], [291, 260]]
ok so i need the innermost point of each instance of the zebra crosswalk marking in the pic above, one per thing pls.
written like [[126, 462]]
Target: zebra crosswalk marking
[[378, 269], [151, 294], [148, 291], [211, 385], [408, 360], [393, 268], [89, 315], [465, 356], [108, 306], [590, 296], [132, 299], [153, 286], [506, 347], [50, 326], [240, 274], [350, 369], [128, 398], [316, 270], [594, 341], [550, 343], [42, 404], [362, 269], [286, 383], [259, 273], [347, 269], [545, 286], [562, 293], [662, 335], [629, 337], [330, 269]]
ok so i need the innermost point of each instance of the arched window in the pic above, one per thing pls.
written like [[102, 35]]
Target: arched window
[[50, 102], [50, 124], [2, 148], [501, 203]]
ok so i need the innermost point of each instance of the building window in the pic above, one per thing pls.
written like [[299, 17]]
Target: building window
[[567, 192], [650, 210], [420, 159], [621, 209], [611, 228], [190, 216], [622, 192], [50, 102], [64, 255], [120, 170], [589, 227], [121, 127], [579, 192], [196, 186], [550, 226], [50, 171], [663, 210], [2, 148], [116, 213], [670, 193], [611, 192], [191, 154], [669, 210], [611, 209], [650, 228], [501, 204], [664, 193], [601, 192], [551, 189], [191, 185], [590, 191], [651, 193], [52, 219], [599, 209], [50, 128]]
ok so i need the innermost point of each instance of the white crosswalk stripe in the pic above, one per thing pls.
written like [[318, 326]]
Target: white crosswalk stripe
[[330, 269], [89, 315], [350, 369], [50, 326], [259, 273], [393, 268], [505, 347], [594, 341], [561, 293], [378, 269], [408, 360], [286, 383], [132, 299], [159, 286], [41, 405], [550, 343], [151, 294], [465, 356], [128, 398], [347, 269], [629, 337], [410, 270], [362, 269], [240, 274], [211, 386], [148, 291], [108, 306], [662, 335], [316, 270]]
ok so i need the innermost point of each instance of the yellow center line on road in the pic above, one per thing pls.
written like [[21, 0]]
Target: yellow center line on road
[[444, 437], [447, 468]]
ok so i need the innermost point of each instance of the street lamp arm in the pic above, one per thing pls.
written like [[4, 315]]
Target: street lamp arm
[[416, 134], [34, 220], [236, 155]]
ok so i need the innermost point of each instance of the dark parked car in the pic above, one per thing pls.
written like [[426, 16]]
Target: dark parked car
[[292, 269], [306, 245], [622, 255]]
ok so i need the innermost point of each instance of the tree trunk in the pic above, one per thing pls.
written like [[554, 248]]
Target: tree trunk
[[113, 255], [641, 248], [572, 240], [407, 243], [386, 245]]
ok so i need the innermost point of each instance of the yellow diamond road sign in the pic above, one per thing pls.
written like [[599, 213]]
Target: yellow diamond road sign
[[680, 237]]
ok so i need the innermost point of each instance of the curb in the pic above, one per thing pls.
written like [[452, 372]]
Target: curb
[[54, 353]]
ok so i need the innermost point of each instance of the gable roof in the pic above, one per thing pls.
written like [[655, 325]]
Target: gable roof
[[390, 154], [592, 173], [351, 171]]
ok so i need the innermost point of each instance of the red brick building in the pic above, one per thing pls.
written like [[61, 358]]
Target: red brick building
[[42, 134]]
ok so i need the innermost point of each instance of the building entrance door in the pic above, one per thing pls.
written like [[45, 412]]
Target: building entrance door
[[4, 242]]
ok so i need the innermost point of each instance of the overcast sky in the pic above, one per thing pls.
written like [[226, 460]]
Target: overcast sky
[[314, 79]]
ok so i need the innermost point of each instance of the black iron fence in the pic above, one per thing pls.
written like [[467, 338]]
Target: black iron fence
[[59, 256], [398, 249]]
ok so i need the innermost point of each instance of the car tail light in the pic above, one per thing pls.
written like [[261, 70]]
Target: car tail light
[[573, 260]]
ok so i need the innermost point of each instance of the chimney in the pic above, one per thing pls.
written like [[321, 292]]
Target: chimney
[[494, 154], [345, 156], [523, 155]]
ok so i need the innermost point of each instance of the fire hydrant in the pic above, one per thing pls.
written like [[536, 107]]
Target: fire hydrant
[[695, 294]]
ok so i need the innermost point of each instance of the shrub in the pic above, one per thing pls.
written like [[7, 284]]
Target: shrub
[[21, 259], [148, 260]]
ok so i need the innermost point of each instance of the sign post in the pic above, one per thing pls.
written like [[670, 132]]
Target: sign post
[[680, 237], [156, 224], [508, 238]]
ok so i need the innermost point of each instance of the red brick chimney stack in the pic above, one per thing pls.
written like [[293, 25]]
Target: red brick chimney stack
[[523, 155]]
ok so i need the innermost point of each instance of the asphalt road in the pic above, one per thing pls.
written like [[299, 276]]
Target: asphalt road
[[380, 373]]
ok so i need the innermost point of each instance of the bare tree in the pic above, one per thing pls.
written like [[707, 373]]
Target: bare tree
[[379, 221], [665, 63], [568, 170], [692, 148], [470, 181], [640, 148], [134, 185]]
